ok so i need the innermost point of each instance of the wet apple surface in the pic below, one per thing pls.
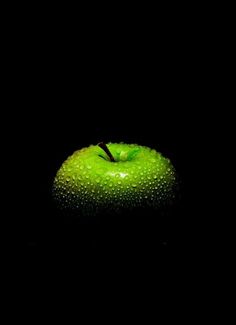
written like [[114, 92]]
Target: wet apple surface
[[121, 177]]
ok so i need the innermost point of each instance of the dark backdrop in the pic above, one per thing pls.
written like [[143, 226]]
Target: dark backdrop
[[147, 89]]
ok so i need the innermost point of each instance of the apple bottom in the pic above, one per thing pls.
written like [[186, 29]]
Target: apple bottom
[[139, 229]]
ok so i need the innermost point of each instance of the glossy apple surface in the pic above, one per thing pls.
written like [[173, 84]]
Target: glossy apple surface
[[88, 182]]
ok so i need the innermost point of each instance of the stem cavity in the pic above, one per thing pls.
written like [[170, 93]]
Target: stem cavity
[[107, 151]]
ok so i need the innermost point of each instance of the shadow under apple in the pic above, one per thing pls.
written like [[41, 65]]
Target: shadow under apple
[[139, 231]]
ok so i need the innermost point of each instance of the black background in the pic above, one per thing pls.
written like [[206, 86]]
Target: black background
[[75, 88], [152, 76]]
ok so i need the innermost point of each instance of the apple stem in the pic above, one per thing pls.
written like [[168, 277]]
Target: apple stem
[[107, 151]]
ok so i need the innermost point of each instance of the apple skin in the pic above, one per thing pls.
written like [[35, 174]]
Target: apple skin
[[89, 183]]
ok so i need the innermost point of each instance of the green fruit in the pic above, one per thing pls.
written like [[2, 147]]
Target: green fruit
[[88, 182]]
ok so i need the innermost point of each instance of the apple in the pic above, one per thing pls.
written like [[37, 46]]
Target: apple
[[113, 178]]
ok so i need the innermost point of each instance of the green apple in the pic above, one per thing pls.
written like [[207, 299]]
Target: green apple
[[114, 177]]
